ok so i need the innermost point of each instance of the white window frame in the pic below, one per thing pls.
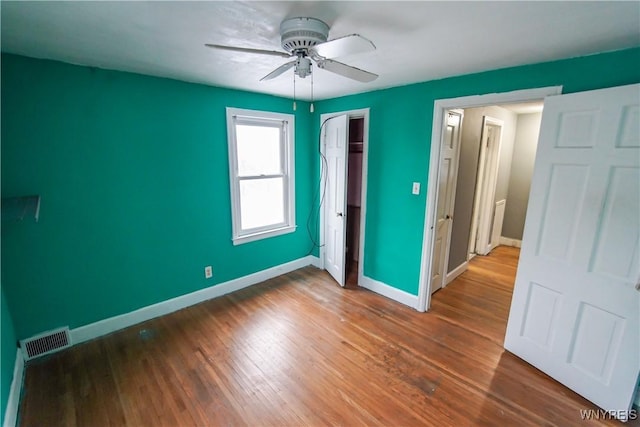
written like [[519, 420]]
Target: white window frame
[[286, 122]]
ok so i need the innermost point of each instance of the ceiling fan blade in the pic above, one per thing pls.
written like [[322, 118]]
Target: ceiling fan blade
[[249, 50], [281, 69], [347, 45], [347, 71]]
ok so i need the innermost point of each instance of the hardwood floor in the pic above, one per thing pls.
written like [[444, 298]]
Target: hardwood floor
[[298, 350], [479, 299]]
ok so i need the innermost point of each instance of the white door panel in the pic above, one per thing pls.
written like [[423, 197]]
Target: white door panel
[[486, 185], [575, 312], [335, 150], [446, 198]]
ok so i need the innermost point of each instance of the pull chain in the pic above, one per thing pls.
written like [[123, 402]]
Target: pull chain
[[294, 92], [311, 109]]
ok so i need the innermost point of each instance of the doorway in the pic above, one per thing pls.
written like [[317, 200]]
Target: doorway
[[459, 241], [446, 196], [343, 149], [490, 197], [553, 316], [354, 198], [488, 214]]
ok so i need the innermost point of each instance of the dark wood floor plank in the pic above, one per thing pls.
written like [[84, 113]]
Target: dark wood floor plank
[[299, 350]]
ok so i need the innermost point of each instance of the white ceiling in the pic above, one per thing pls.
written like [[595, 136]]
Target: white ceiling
[[416, 41], [525, 107]]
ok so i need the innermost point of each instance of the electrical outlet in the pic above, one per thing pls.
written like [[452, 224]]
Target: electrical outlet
[[416, 188], [208, 272]]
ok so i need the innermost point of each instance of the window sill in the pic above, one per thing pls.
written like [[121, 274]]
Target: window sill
[[263, 235]]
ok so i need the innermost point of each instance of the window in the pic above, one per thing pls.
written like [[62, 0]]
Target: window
[[261, 174]]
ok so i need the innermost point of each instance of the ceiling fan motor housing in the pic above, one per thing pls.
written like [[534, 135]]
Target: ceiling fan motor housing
[[300, 34]]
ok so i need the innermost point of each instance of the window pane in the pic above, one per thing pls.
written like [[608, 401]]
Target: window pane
[[261, 202], [258, 150]]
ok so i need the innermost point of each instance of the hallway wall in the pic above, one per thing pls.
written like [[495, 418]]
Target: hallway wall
[[524, 154], [467, 173]]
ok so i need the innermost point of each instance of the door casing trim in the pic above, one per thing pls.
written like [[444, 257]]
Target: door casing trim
[[440, 106], [351, 114]]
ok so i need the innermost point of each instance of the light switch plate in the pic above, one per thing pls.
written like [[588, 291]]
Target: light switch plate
[[416, 188]]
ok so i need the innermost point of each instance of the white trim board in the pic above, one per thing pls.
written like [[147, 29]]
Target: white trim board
[[112, 324], [389, 291], [507, 241], [13, 402], [456, 272]]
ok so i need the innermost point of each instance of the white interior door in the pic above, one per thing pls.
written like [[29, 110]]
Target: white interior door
[[334, 137], [575, 312], [446, 197], [488, 179]]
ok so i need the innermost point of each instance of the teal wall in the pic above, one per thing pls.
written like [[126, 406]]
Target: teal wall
[[133, 175], [400, 142], [7, 354]]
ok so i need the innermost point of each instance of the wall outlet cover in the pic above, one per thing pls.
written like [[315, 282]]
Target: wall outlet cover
[[208, 272]]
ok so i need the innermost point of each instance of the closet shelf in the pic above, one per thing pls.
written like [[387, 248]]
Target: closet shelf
[[356, 146], [17, 208]]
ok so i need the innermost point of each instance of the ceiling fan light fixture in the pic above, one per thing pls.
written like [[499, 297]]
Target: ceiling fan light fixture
[[303, 67]]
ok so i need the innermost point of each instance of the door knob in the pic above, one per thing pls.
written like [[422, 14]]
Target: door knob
[[447, 217], [339, 214]]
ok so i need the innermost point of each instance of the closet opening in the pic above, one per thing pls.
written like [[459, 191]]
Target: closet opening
[[354, 198]]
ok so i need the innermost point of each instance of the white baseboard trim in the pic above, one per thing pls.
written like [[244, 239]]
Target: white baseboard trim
[[315, 261], [507, 241], [389, 291], [112, 324], [456, 272], [13, 402]]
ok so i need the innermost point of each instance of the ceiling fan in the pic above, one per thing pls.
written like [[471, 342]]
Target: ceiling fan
[[305, 39]]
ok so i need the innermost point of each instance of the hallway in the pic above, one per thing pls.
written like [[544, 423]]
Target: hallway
[[479, 299]]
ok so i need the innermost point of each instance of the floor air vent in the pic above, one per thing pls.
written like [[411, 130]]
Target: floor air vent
[[46, 343]]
